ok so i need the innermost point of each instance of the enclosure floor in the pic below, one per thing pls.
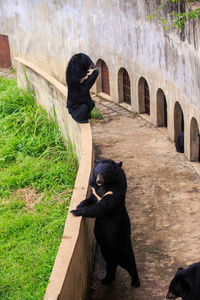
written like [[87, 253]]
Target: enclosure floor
[[162, 200]]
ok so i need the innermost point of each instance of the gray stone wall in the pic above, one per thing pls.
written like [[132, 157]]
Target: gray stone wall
[[48, 33]]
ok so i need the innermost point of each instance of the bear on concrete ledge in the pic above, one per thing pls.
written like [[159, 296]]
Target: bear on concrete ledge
[[112, 230], [79, 101]]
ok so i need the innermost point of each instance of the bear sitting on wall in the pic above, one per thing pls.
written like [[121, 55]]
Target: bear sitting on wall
[[186, 283], [79, 101], [112, 230]]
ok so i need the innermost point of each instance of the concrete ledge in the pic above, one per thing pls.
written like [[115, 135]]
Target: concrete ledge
[[104, 96], [73, 264]]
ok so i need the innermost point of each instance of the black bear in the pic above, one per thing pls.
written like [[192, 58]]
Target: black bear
[[79, 101], [112, 230], [180, 143], [186, 283]]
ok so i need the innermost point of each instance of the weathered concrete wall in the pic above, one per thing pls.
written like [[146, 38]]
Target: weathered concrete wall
[[48, 33], [74, 261]]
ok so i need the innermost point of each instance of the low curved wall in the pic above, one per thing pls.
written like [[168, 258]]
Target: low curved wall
[[73, 264]]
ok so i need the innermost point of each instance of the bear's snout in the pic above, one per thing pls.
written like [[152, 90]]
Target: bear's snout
[[99, 179], [171, 296], [92, 65]]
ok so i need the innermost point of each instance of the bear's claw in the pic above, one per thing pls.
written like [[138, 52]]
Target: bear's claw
[[135, 284]]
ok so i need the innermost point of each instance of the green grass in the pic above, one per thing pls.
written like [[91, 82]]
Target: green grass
[[96, 114], [37, 175]]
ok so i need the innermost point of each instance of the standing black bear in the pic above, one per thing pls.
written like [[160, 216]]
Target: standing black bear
[[79, 101], [186, 283], [112, 230]]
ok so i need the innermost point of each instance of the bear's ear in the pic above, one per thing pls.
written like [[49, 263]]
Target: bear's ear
[[96, 162], [75, 57], [179, 271], [119, 165]]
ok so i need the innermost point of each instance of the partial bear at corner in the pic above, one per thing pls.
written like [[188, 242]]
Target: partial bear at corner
[[186, 283]]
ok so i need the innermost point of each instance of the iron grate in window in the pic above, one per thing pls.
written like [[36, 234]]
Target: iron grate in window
[[146, 98], [105, 79], [126, 88]]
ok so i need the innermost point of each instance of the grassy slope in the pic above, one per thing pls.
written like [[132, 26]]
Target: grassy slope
[[37, 174]]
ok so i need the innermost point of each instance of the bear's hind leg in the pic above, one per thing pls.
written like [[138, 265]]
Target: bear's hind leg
[[135, 281], [132, 269], [80, 114], [90, 109], [129, 264], [110, 273]]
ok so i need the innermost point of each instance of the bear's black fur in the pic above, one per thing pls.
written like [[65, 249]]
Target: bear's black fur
[[186, 283], [180, 143], [79, 101], [112, 226]]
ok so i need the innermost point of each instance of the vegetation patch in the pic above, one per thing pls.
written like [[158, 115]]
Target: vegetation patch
[[178, 16], [96, 114], [38, 169]]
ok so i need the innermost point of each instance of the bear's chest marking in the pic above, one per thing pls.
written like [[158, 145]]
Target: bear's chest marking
[[98, 197]]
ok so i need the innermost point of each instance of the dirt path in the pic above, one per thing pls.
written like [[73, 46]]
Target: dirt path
[[163, 201]]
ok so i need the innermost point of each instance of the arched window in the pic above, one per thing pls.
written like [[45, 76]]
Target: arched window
[[126, 88], [194, 141], [5, 58], [161, 109], [102, 82], [144, 96], [105, 79], [178, 120]]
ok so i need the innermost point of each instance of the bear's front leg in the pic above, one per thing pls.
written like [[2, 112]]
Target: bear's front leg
[[76, 212], [89, 201], [91, 211]]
